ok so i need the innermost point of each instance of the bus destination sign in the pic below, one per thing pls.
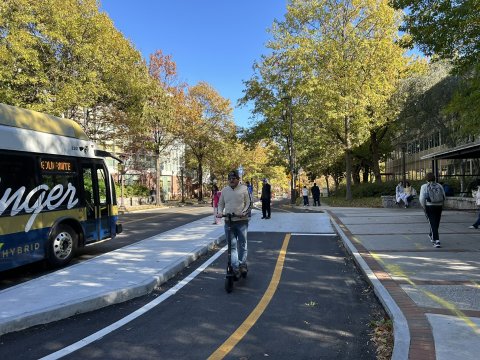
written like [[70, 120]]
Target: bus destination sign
[[57, 165]]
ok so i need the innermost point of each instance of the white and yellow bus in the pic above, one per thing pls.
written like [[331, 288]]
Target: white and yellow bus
[[56, 193]]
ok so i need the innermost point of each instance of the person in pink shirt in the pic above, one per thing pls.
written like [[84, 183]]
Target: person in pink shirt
[[215, 198]]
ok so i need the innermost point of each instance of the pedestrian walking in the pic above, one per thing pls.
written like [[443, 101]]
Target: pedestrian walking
[[477, 201], [431, 198], [266, 199], [153, 194], [250, 191], [316, 195], [305, 195], [215, 199], [236, 200]]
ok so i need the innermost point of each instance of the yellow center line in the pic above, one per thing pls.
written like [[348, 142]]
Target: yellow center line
[[243, 329], [396, 270]]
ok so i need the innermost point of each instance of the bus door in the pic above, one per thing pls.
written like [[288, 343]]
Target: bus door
[[97, 200]]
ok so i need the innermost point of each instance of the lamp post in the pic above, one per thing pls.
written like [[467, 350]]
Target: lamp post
[[287, 115]]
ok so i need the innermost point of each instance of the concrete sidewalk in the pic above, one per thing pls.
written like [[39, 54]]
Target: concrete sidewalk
[[432, 295]]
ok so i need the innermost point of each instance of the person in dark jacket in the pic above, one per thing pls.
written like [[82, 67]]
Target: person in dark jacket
[[316, 195], [431, 198], [266, 198]]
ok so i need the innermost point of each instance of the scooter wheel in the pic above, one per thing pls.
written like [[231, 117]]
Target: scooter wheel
[[228, 284]]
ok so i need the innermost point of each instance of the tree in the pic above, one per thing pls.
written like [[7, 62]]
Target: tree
[[350, 64], [205, 122], [444, 28], [447, 29], [274, 91], [424, 99], [158, 125], [66, 58]]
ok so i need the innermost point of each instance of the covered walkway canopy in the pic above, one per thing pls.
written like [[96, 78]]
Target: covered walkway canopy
[[466, 151]]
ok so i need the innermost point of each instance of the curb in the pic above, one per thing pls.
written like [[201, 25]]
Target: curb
[[65, 310], [401, 331]]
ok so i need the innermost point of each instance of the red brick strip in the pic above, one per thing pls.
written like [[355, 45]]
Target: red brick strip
[[422, 345]]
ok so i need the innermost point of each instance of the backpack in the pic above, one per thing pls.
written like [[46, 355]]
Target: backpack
[[434, 193]]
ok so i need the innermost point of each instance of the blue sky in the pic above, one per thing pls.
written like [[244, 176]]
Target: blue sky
[[216, 41]]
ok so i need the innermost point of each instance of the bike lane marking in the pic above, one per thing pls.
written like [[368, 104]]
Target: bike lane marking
[[243, 329], [139, 312]]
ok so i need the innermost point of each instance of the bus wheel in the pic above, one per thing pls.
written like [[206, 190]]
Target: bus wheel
[[62, 245]]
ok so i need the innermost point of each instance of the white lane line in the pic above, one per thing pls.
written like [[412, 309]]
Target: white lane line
[[314, 234], [106, 330]]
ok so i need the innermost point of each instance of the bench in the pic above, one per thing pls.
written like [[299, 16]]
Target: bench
[[451, 202], [388, 201], [460, 202]]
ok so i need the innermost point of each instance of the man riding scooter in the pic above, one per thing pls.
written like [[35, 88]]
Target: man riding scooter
[[235, 199]]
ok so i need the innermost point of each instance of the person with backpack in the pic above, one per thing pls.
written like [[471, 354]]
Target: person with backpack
[[431, 198], [477, 201]]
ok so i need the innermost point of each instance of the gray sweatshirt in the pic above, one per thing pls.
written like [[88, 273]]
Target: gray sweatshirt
[[424, 195], [235, 201]]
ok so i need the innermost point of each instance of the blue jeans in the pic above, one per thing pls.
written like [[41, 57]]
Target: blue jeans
[[238, 238]]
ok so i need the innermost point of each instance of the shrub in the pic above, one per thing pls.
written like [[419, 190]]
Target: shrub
[[133, 190], [363, 190]]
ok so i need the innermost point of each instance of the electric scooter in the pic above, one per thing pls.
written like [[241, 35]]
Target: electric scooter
[[230, 276]]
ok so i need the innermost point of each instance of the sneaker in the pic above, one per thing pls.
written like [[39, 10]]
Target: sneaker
[[243, 269], [437, 244], [263, 217], [268, 217], [473, 227], [236, 273]]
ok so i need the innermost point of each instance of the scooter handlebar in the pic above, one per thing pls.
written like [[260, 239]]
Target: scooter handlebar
[[228, 215]]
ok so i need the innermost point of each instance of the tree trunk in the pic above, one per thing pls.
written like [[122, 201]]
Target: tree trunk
[[158, 190], [348, 174], [200, 180], [328, 185], [356, 174], [374, 146], [348, 159]]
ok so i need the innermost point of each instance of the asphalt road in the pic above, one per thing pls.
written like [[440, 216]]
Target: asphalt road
[[321, 309], [137, 226]]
